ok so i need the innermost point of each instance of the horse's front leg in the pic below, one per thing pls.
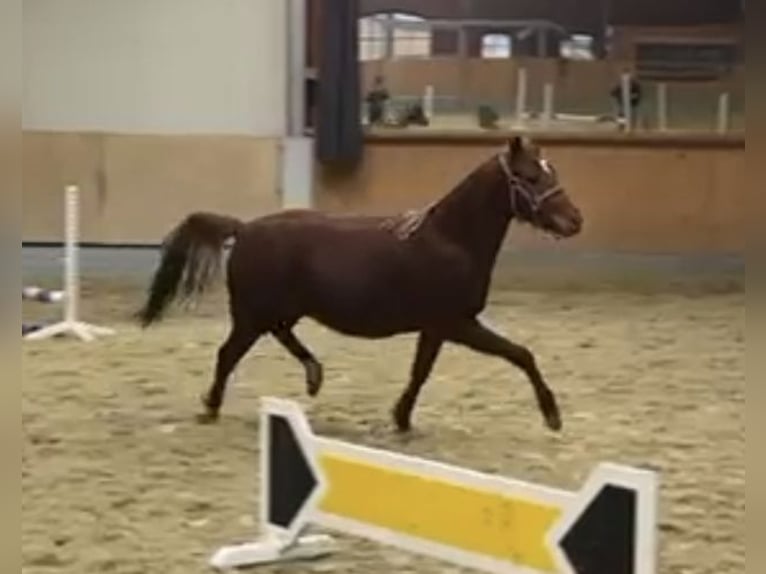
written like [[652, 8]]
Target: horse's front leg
[[479, 338], [426, 354]]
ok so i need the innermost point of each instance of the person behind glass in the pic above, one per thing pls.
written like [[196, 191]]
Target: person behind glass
[[376, 102], [636, 94]]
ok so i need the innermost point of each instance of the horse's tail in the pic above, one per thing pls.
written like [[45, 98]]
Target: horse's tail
[[191, 259]]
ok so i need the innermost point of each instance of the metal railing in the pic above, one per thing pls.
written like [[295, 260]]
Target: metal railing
[[530, 101]]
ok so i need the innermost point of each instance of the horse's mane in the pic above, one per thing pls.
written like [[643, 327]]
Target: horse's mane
[[404, 225]]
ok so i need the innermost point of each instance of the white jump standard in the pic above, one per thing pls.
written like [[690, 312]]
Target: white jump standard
[[71, 325]]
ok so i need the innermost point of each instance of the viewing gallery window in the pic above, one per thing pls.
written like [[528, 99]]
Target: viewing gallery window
[[496, 46], [578, 47], [393, 35]]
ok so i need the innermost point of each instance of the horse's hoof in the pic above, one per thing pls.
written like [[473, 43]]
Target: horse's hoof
[[209, 415], [550, 410], [401, 420], [553, 421], [313, 387], [314, 378], [403, 426], [207, 418]]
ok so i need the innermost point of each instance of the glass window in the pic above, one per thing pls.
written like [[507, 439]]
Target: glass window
[[496, 46]]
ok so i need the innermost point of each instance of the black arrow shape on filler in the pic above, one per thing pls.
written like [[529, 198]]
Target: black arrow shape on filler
[[291, 479], [602, 540]]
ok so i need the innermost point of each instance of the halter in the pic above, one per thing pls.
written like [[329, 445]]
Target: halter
[[518, 186]]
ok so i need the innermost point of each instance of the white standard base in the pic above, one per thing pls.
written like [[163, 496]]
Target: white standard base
[[271, 550], [83, 331]]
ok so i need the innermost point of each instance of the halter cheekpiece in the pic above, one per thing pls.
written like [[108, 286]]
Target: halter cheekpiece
[[519, 187]]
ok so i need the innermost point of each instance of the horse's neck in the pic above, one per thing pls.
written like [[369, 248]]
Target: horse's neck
[[473, 215]]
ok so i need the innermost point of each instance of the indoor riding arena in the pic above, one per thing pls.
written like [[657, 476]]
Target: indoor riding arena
[[137, 116]]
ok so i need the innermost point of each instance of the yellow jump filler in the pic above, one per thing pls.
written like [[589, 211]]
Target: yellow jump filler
[[485, 522]]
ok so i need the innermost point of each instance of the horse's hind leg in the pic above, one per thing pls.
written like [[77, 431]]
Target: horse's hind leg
[[238, 343], [314, 371], [426, 354]]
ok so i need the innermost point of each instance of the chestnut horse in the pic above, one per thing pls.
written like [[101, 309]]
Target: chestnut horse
[[425, 272]]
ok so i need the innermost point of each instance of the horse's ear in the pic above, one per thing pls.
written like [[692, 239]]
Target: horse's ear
[[516, 146]]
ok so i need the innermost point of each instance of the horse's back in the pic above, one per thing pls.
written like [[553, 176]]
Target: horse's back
[[352, 273], [347, 247], [288, 219]]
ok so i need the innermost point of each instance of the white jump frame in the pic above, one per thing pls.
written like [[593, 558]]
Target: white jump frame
[[71, 324]]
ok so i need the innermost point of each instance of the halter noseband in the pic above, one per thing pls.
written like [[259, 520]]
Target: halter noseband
[[519, 187]]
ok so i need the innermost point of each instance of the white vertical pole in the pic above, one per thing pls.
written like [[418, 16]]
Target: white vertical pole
[[627, 110], [542, 43], [521, 96], [388, 20], [548, 103], [296, 180], [463, 68], [428, 102], [71, 254], [662, 106], [724, 111], [296, 66], [71, 325]]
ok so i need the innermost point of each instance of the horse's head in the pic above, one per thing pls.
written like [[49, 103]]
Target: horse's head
[[536, 195]]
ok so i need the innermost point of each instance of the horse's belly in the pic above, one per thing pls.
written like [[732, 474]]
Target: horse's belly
[[367, 314], [366, 329], [378, 310]]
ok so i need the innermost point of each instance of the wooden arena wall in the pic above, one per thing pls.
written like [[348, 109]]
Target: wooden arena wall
[[643, 194], [134, 188], [646, 194]]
